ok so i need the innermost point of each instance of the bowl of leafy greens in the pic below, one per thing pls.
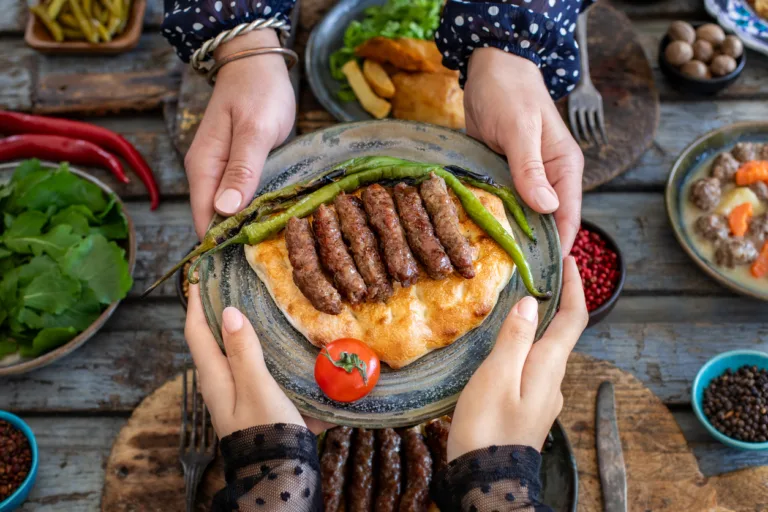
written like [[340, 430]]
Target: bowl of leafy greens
[[67, 252]]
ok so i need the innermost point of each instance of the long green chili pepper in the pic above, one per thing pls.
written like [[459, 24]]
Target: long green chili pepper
[[257, 232]]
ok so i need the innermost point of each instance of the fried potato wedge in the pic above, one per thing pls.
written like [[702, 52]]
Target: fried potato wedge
[[405, 54], [378, 79], [377, 107], [430, 98]]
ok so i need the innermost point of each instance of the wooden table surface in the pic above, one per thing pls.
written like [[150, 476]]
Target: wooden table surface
[[670, 320]]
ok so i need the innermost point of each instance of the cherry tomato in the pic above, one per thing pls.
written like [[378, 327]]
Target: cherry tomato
[[347, 369]]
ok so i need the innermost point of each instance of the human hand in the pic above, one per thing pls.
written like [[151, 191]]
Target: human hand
[[514, 397], [237, 387], [251, 111], [508, 107]]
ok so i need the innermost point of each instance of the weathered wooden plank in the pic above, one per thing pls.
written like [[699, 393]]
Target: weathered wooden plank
[[143, 345], [676, 9], [17, 75], [15, 12], [73, 452]]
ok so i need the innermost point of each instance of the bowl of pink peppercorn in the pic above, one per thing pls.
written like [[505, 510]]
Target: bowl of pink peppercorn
[[602, 269]]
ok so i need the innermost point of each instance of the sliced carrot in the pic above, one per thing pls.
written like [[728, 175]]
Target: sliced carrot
[[738, 220], [752, 172], [760, 266]]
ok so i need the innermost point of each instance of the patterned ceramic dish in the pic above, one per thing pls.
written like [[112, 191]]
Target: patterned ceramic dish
[[26, 365], [739, 17], [700, 153], [429, 387]]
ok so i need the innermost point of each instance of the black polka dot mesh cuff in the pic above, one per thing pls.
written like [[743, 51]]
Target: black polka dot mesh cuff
[[541, 31]]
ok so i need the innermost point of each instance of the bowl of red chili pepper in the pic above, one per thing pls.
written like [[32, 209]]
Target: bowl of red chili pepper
[[602, 269], [18, 461]]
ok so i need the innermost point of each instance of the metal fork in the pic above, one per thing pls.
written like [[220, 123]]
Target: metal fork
[[195, 450], [585, 105]]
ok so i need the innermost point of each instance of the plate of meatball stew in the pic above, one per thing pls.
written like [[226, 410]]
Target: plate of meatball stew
[[717, 200]]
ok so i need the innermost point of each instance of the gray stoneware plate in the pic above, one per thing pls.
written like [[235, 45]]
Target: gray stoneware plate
[[698, 153], [326, 38], [429, 387], [27, 365]]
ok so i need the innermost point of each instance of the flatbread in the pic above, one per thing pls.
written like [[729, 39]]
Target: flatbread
[[415, 321]]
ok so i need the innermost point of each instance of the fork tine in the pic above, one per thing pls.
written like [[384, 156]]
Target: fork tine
[[183, 436], [583, 125], [593, 127], [601, 123], [204, 436], [193, 441], [574, 124]]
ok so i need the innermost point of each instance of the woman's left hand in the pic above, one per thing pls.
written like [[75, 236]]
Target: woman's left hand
[[237, 387]]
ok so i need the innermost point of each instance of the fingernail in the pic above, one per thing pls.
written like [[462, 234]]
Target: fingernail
[[229, 201], [546, 199], [528, 308], [232, 319]]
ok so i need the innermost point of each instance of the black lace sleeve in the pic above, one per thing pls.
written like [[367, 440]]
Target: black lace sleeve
[[494, 478], [270, 468]]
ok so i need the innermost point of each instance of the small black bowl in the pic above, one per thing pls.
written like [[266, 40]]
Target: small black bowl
[[181, 276], [595, 316], [687, 84]]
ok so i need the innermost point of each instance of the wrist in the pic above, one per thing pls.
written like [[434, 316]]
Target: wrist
[[491, 59], [262, 38]]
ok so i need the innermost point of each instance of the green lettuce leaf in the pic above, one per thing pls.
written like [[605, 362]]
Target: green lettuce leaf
[[7, 346], [71, 216], [29, 318], [36, 266], [101, 265], [55, 243], [61, 189], [80, 315], [4, 253], [47, 340], [51, 292]]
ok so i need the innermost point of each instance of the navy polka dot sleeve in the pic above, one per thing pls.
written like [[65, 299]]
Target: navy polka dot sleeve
[[190, 23], [539, 30]]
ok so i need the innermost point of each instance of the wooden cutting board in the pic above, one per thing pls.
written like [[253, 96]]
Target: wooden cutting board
[[143, 472]]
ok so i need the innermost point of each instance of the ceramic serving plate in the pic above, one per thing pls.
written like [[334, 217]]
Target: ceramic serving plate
[[429, 387], [739, 17], [695, 158], [326, 38], [25, 365]]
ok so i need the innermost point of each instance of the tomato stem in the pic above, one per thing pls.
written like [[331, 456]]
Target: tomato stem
[[349, 362]]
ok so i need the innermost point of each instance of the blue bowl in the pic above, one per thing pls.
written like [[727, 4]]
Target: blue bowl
[[15, 500], [715, 367]]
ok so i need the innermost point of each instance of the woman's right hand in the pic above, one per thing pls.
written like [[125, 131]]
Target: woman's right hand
[[514, 397]]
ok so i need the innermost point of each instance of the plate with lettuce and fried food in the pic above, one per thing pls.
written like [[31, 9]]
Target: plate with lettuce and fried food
[[375, 59]]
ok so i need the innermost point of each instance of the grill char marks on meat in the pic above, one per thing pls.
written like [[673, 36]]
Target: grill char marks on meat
[[335, 257], [360, 491], [390, 472], [364, 247], [384, 220], [445, 219], [333, 466], [420, 233], [307, 275]]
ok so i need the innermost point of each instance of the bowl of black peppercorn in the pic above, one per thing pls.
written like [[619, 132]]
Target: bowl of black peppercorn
[[730, 398]]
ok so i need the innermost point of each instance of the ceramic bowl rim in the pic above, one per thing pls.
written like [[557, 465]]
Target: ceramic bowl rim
[[606, 306], [698, 409], [81, 338], [32, 475], [671, 195]]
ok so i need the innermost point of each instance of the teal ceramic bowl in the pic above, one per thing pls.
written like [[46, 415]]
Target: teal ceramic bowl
[[715, 367], [15, 500]]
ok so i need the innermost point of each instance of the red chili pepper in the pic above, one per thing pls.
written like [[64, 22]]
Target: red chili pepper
[[17, 123], [53, 147]]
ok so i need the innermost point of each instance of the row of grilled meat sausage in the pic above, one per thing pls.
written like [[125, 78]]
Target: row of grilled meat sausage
[[420, 221], [382, 470]]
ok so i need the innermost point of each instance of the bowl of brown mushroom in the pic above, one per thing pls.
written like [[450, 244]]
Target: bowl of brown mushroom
[[700, 59]]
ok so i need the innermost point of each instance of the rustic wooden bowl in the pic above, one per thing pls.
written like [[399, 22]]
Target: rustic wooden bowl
[[129, 244], [38, 37]]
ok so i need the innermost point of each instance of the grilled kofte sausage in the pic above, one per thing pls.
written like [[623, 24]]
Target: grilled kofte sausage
[[360, 497], [335, 257], [383, 217], [362, 242], [421, 235], [333, 466], [418, 471], [389, 472], [442, 211], [306, 268], [436, 432]]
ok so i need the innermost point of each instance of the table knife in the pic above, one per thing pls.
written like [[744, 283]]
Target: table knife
[[610, 459]]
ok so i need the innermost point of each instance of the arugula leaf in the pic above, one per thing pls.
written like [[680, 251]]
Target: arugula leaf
[[3, 316], [7, 346], [80, 315], [8, 288], [74, 218], [62, 189], [55, 243], [26, 168], [101, 265], [4, 253], [37, 265], [51, 292], [8, 220], [25, 225], [6, 190], [48, 339], [29, 318], [115, 223]]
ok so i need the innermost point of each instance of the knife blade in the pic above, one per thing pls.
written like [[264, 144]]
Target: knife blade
[[610, 458]]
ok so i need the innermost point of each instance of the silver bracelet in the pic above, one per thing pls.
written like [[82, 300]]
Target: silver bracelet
[[200, 57]]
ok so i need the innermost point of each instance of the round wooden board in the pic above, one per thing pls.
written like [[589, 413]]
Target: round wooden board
[[623, 75], [143, 472]]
